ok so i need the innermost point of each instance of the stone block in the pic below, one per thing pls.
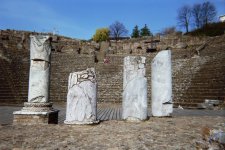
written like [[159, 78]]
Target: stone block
[[36, 113], [81, 98], [161, 79], [134, 89]]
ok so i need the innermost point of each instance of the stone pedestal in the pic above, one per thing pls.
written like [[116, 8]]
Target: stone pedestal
[[38, 110], [81, 98], [36, 113], [161, 80], [134, 89]]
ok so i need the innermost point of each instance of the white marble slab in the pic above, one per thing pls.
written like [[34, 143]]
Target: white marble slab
[[161, 84], [81, 98], [134, 89]]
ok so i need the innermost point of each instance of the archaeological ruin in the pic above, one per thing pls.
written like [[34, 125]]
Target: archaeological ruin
[[135, 101], [82, 98], [146, 93], [161, 79], [38, 109], [197, 62]]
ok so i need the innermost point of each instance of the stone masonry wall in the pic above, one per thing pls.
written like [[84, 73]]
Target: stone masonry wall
[[70, 55]]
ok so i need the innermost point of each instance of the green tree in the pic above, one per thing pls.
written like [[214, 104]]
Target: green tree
[[145, 31], [101, 34], [136, 32]]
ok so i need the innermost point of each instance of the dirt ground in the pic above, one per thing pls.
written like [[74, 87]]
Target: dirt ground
[[155, 133]]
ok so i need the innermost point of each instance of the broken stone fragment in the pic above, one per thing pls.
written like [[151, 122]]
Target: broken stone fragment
[[81, 98], [85, 76], [134, 89]]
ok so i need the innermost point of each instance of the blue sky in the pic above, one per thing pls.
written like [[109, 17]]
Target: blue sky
[[80, 18]]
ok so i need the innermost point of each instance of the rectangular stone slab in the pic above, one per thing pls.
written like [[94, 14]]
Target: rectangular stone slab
[[134, 89], [81, 98], [161, 84], [31, 118]]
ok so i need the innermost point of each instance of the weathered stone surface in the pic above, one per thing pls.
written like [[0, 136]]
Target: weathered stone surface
[[40, 48], [181, 45], [81, 98], [38, 110], [36, 113], [162, 84], [209, 104], [62, 63], [40, 51], [134, 89], [34, 118], [101, 54]]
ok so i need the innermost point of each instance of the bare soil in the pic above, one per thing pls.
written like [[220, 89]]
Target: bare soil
[[155, 133]]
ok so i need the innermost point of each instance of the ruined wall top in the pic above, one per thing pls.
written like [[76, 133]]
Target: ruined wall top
[[140, 46]]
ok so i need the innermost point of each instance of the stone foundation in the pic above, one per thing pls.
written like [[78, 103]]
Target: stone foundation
[[36, 113]]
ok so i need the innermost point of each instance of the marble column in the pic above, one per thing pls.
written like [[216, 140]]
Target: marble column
[[134, 89], [38, 109], [40, 52], [81, 98], [161, 84]]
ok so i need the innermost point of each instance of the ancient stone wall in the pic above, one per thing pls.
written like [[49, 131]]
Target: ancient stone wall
[[71, 55], [62, 65], [14, 59]]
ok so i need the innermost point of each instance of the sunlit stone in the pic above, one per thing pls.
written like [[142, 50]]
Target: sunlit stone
[[161, 82]]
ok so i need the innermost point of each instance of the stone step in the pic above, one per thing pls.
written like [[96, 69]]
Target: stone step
[[186, 105], [108, 88], [205, 92], [202, 96], [9, 102], [105, 96], [216, 87]]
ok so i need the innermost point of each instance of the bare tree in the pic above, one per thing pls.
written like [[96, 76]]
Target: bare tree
[[184, 16], [197, 15], [117, 30], [208, 12]]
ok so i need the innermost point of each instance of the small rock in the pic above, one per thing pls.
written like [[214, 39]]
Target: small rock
[[179, 107], [181, 45]]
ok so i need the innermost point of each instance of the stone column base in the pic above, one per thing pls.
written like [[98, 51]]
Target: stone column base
[[134, 119], [36, 113], [81, 122]]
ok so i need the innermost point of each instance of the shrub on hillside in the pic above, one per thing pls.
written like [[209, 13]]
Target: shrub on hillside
[[101, 34], [212, 29]]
